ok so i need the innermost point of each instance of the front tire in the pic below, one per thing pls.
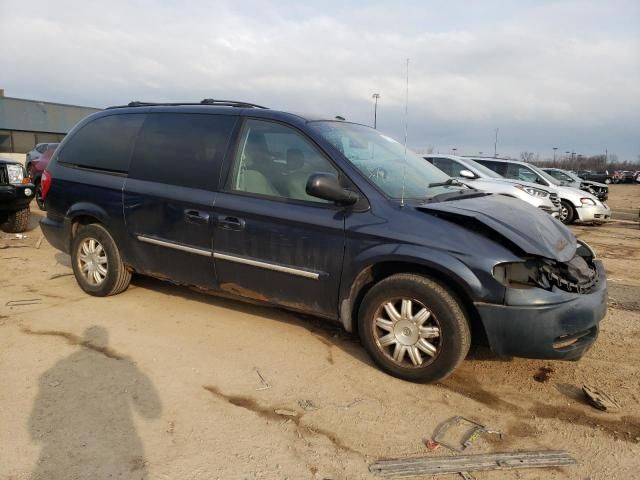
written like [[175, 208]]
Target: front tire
[[567, 213], [17, 221], [414, 328], [97, 263]]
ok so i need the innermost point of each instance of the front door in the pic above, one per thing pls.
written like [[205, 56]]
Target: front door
[[273, 242], [169, 195]]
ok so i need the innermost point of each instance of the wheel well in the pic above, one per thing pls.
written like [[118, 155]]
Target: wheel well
[[373, 274], [81, 220]]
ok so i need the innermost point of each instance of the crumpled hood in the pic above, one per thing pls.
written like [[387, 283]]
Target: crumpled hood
[[531, 229]]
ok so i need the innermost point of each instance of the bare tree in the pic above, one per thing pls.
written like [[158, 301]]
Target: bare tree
[[528, 157]]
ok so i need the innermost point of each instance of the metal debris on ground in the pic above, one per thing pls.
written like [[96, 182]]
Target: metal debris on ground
[[409, 467], [286, 413], [458, 433], [265, 384], [600, 400], [22, 303]]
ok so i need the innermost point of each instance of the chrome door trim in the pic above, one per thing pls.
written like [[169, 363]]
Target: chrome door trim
[[269, 266], [175, 246]]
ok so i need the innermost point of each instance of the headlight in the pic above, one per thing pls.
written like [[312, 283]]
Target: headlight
[[587, 201], [525, 274], [16, 174], [536, 192]]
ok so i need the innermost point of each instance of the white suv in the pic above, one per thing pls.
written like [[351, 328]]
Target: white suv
[[482, 178], [576, 205]]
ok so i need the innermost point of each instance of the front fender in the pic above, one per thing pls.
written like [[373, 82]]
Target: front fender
[[475, 283]]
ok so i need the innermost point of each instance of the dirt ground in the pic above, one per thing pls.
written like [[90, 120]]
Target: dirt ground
[[161, 382]]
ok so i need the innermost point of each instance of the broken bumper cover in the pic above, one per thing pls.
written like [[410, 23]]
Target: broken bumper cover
[[595, 213], [536, 323]]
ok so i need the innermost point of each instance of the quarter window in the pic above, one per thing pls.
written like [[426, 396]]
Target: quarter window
[[276, 161], [104, 144]]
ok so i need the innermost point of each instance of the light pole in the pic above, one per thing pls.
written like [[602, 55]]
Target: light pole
[[454, 150], [495, 145], [375, 97], [554, 153]]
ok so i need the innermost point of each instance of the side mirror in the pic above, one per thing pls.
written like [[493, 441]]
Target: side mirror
[[467, 174], [327, 187]]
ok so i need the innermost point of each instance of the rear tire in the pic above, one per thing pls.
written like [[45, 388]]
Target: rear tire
[[567, 213], [39, 200], [406, 342], [97, 263], [17, 221]]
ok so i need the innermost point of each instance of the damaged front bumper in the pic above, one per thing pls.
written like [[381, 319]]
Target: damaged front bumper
[[539, 323], [593, 213]]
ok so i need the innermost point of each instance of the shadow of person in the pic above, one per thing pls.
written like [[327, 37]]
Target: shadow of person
[[82, 415]]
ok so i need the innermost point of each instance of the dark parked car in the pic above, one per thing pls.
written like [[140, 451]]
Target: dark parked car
[[16, 191], [324, 217], [600, 177], [35, 168]]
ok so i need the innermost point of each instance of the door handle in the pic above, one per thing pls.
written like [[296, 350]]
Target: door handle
[[230, 223], [196, 216]]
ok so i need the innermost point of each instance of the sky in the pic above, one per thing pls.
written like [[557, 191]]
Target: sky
[[547, 74]]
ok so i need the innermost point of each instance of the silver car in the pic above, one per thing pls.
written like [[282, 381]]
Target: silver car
[[570, 179], [482, 178], [576, 205]]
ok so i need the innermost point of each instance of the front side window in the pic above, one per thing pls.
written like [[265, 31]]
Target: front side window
[[276, 161], [383, 160], [445, 165]]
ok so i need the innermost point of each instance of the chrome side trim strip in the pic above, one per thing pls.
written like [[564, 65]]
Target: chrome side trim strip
[[268, 266], [175, 246]]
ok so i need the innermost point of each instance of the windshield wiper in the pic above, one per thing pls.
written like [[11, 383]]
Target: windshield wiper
[[451, 181]]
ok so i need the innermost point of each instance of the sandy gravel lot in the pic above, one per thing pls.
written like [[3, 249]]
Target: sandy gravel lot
[[161, 382]]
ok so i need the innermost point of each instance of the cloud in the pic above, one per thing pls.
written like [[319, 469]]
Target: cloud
[[547, 73]]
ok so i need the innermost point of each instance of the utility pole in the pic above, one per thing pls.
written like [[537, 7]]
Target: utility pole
[[554, 153], [495, 145], [375, 97]]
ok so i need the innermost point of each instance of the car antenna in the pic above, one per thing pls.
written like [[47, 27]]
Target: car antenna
[[406, 112]]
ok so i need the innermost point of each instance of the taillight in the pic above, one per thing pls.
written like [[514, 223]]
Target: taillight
[[45, 183]]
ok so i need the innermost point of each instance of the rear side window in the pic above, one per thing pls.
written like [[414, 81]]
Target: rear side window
[[104, 144], [182, 149]]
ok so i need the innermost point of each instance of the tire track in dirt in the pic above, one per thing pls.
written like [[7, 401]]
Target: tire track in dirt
[[269, 413]]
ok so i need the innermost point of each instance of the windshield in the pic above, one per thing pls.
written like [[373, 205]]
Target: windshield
[[381, 160], [484, 171], [544, 174], [562, 176]]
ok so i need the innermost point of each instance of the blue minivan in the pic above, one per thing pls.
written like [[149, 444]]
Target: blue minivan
[[321, 216]]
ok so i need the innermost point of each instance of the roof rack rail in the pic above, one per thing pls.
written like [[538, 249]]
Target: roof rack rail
[[206, 101]]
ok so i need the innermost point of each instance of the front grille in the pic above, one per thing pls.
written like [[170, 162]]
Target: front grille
[[554, 199], [4, 177]]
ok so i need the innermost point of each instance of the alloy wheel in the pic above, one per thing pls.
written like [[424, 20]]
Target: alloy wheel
[[407, 332]]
